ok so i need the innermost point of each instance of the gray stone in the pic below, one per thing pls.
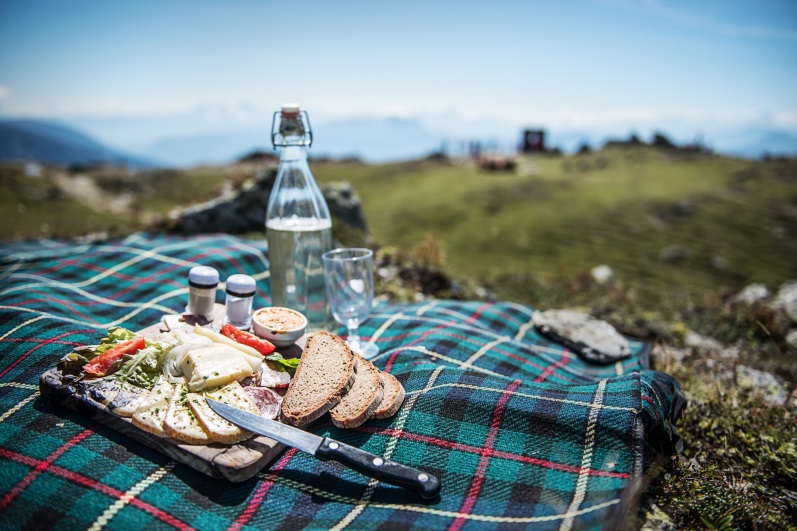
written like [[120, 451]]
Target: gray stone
[[602, 273], [244, 210], [769, 385], [657, 520], [696, 341], [791, 338], [719, 262], [751, 294], [594, 340], [672, 253], [786, 299]]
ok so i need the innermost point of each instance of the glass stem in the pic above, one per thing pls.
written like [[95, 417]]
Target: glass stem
[[354, 337]]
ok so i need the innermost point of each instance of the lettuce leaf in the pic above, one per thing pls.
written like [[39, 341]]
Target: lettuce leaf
[[73, 362], [144, 367], [288, 364]]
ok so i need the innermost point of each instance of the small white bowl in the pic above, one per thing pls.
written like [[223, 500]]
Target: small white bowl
[[281, 326]]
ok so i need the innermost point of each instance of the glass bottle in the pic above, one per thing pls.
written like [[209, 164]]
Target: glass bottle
[[298, 224]]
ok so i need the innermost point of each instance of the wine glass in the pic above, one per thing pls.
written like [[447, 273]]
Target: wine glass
[[349, 280]]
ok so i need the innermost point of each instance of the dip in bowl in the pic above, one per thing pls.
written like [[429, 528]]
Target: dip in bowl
[[281, 326]]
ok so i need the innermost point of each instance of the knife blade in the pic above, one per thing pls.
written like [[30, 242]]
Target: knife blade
[[324, 448]]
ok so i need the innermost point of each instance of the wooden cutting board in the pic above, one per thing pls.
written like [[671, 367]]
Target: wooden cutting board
[[236, 463]]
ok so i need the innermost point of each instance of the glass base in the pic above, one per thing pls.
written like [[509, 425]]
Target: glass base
[[366, 350]]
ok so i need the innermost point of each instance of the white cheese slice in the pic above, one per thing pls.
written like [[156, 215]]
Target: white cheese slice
[[213, 366], [220, 429], [180, 421], [254, 357], [151, 413]]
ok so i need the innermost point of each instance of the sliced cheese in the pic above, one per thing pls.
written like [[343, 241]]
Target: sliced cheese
[[128, 399], [220, 429], [213, 366], [180, 421], [151, 413], [254, 357], [172, 363]]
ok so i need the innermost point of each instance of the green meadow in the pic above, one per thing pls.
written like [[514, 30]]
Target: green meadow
[[664, 218]]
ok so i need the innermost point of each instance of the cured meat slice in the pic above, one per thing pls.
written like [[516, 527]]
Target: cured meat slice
[[269, 377], [268, 402]]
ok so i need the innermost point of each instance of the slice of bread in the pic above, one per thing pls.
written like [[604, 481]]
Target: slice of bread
[[392, 397], [324, 375], [360, 402]]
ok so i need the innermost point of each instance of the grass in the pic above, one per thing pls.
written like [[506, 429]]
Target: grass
[[566, 215]]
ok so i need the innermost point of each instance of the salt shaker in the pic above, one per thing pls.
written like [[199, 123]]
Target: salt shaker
[[240, 294], [202, 283]]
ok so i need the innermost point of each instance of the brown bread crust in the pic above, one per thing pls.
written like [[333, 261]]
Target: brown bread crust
[[392, 398], [362, 399], [324, 374]]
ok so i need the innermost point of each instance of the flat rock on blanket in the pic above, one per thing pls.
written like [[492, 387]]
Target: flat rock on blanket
[[522, 432]]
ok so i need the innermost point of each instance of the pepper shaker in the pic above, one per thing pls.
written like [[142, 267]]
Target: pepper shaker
[[240, 295]]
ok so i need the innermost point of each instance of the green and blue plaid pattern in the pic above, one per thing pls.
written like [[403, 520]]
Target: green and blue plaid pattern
[[522, 432]]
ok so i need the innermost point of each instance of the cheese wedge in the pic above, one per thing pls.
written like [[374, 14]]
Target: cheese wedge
[[254, 357], [151, 413], [213, 366], [180, 421], [220, 429]]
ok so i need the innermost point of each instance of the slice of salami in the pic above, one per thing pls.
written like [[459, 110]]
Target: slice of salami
[[269, 377], [267, 400]]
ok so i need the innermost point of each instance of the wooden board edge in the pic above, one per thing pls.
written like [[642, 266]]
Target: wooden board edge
[[235, 463]]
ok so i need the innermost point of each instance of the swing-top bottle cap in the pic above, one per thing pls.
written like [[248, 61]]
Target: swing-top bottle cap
[[241, 285], [203, 277], [291, 110]]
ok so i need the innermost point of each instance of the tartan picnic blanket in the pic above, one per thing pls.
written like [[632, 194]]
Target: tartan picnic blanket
[[522, 432]]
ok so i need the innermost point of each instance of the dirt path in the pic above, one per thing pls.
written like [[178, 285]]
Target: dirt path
[[83, 189]]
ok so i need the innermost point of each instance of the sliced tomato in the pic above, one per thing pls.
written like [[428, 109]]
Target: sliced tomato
[[246, 338], [99, 366]]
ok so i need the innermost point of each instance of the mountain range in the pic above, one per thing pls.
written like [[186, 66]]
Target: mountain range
[[56, 143], [183, 141]]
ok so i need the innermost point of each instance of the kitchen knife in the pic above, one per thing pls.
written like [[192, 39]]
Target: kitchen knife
[[324, 448]]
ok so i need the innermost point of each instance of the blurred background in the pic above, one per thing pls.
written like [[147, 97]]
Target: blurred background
[[654, 138], [197, 82]]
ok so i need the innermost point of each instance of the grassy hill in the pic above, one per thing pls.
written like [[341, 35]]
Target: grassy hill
[[724, 222]]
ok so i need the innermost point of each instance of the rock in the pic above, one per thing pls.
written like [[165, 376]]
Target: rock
[[698, 342], [786, 299], [751, 294], [791, 338], [594, 340], [672, 253], [769, 385], [244, 210], [344, 204], [683, 208], [719, 262], [657, 520], [602, 273]]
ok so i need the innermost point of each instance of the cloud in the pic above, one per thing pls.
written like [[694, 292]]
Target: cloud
[[4, 92]]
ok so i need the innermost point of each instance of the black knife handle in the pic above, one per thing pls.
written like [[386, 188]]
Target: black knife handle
[[427, 485]]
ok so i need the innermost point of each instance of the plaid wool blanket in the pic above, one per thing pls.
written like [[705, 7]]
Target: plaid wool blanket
[[521, 431]]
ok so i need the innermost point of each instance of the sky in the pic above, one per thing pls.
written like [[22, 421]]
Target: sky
[[577, 64]]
